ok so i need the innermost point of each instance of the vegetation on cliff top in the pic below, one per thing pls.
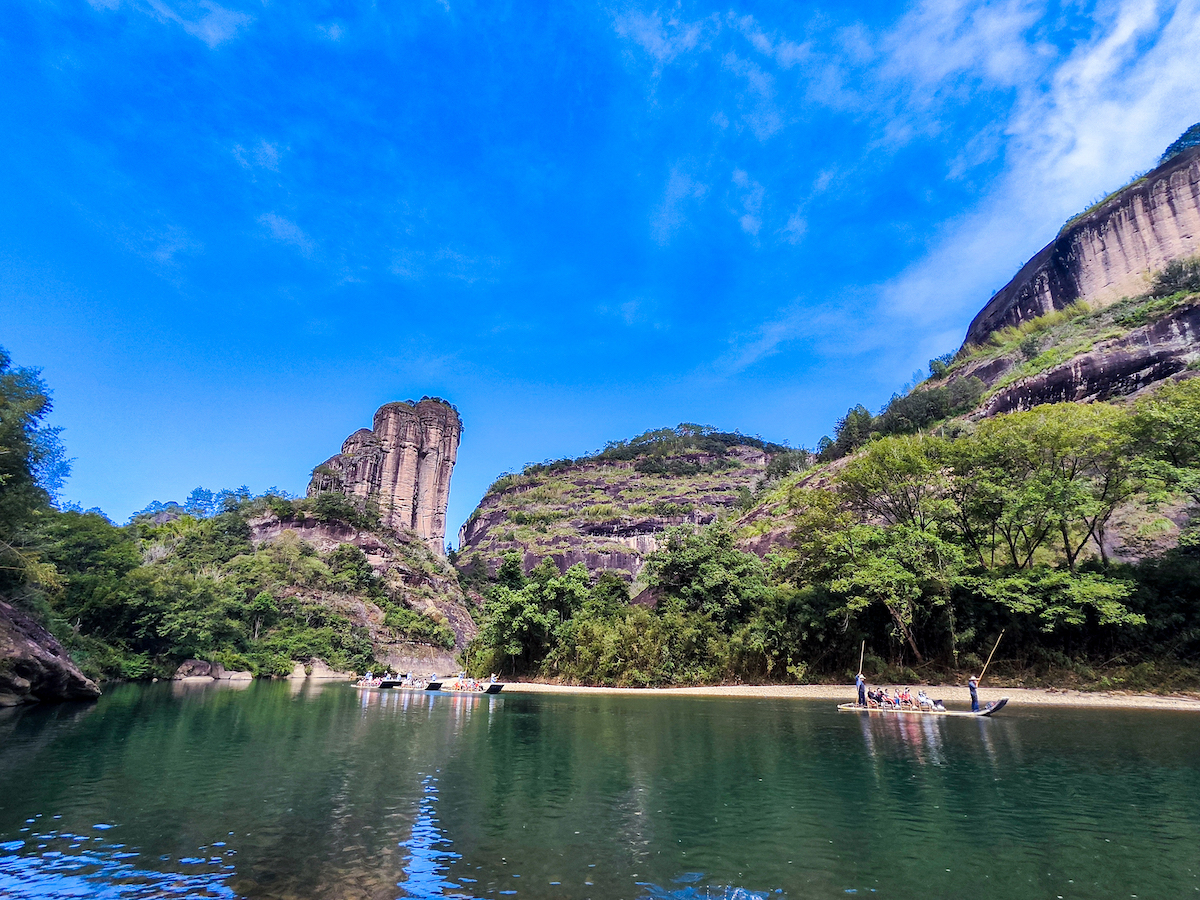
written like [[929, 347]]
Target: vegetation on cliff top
[[134, 602]]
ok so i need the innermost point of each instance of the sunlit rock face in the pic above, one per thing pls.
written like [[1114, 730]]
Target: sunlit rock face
[[404, 463], [1110, 253]]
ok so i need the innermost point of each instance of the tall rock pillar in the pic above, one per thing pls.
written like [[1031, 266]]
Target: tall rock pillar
[[403, 463]]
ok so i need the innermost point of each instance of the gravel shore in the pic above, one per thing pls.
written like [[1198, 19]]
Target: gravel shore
[[844, 694]]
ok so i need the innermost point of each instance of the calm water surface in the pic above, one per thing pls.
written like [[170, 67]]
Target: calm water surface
[[275, 791]]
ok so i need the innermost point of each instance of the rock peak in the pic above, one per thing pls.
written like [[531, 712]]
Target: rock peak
[[403, 463], [1108, 252]]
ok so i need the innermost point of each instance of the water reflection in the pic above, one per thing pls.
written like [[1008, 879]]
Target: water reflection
[[920, 737], [427, 866], [61, 864]]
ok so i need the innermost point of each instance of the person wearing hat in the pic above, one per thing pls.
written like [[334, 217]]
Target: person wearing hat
[[973, 684], [861, 683]]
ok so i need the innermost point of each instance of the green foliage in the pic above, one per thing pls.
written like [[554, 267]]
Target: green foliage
[[904, 414], [31, 468], [413, 626], [788, 462], [1190, 138], [1179, 276], [329, 506], [702, 571], [210, 594]]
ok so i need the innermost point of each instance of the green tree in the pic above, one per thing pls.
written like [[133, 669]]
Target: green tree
[[31, 461], [705, 572]]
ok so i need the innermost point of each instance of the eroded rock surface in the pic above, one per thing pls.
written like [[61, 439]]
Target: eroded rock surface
[[403, 463], [33, 664], [1115, 368], [1110, 253], [605, 514]]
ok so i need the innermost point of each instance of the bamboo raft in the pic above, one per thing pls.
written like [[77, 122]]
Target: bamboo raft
[[395, 684], [989, 710]]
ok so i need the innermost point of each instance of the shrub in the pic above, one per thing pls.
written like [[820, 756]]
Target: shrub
[[1180, 275]]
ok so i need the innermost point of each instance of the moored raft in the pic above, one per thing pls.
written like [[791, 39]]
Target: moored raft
[[989, 709], [438, 685]]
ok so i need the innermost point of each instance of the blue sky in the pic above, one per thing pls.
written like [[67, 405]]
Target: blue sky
[[232, 230]]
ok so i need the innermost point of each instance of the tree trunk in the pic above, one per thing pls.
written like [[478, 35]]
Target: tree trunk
[[904, 630]]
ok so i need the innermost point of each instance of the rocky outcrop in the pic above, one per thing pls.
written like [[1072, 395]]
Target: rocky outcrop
[[34, 666], [1109, 253], [406, 565], [403, 464], [1115, 368], [606, 514], [198, 670]]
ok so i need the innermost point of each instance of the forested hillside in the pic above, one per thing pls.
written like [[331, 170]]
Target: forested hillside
[[608, 509], [926, 530], [254, 583]]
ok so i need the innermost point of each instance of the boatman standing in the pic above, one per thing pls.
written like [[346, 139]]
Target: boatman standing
[[861, 683], [973, 684]]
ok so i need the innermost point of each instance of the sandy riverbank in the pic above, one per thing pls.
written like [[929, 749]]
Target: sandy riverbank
[[845, 693]]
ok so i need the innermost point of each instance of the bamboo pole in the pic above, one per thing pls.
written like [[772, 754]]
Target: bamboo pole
[[990, 655], [861, 657]]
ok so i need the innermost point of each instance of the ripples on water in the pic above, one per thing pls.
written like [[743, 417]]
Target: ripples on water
[[55, 865], [276, 794]]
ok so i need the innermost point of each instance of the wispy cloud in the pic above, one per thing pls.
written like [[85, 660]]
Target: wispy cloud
[[1081, 118], [662, 39], [288, 232], [1061, 142], [262, 154], [202, 19], [681, 190], [443, 262], [751, 195]]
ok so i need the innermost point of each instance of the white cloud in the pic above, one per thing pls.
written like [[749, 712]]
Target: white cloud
[[286, 231], [681, 190], [796, 226], [445, 262], [262, 154], [201, 19], [751, 196], [664, 40], [1099, 115], [334, 32]]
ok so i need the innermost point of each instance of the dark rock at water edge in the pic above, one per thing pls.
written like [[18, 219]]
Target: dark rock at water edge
[[33, 664]]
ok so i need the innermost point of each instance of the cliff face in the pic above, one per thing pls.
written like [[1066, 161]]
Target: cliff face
[[403, 463], [1107, 254], [1113, 368]]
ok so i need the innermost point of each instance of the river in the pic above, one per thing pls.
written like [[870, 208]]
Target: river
[[285, 790]]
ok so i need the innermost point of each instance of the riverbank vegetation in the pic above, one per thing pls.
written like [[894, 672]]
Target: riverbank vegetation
[[926, 547]]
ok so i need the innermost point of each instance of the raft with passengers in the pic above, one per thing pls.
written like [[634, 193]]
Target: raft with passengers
[[456, 684], [903, 702]]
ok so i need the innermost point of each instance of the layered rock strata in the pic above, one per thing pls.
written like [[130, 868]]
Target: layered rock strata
[[1115, 368], [605, 514], [1110, 253], [403, 464]]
